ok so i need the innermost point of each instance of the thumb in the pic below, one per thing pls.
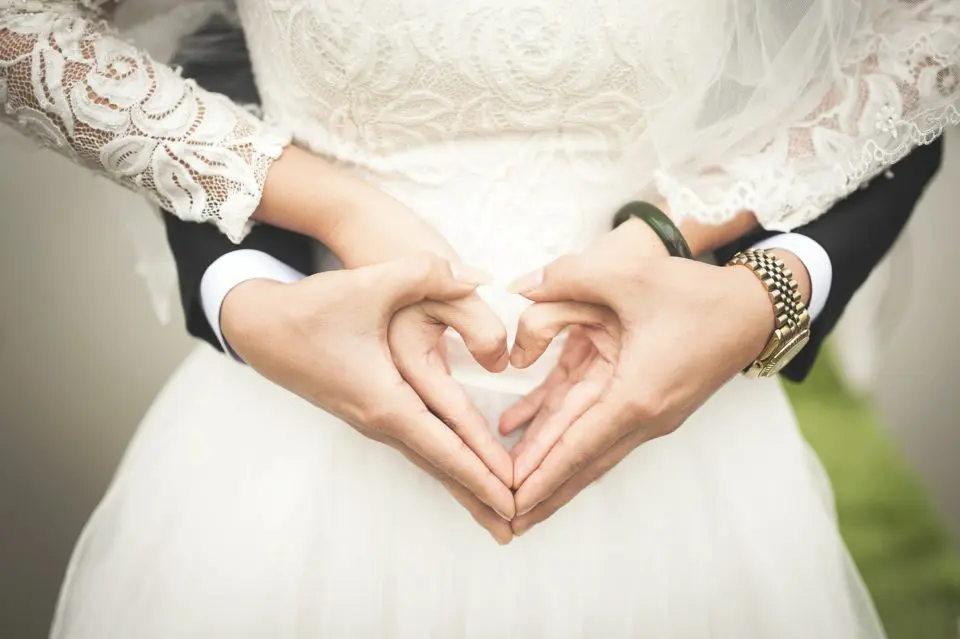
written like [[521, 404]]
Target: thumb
[[540, 324], [480, 328], [420, 277], [569, 278]]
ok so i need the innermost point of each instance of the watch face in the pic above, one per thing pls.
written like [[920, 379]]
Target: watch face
[[786, 352]]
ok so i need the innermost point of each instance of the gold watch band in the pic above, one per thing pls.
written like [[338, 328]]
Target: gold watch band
[[792, 321]]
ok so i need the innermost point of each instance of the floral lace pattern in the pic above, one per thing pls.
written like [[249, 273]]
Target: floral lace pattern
[[369, 80], [576, 86], [900, 88], [68, 82], [578, 82]]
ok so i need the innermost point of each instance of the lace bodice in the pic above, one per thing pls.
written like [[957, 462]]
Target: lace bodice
[[541, 113], [69, 82], [594, 85]]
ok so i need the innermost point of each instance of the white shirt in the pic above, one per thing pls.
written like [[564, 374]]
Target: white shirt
[[242, 265]]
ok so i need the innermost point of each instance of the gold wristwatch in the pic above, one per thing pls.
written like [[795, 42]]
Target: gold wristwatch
[[792, 329]]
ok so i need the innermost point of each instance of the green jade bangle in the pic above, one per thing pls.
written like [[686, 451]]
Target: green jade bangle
[[657, 220]]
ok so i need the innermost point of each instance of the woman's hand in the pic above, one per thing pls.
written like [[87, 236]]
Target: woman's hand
[[658, 337], [326, 339]]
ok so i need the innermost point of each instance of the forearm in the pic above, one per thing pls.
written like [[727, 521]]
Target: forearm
[[305, 194], [636, 236], [358, 222], [704, 238]]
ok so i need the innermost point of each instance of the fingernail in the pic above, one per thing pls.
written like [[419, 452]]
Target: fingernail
[[503, 361], [517, 356], [470, 275], [521, 513], [526, 283]]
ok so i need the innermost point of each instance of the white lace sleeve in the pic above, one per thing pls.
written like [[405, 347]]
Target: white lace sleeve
[[900, 87], [67, 80]]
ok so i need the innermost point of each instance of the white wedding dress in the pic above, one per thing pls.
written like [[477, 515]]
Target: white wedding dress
[[516, 127]]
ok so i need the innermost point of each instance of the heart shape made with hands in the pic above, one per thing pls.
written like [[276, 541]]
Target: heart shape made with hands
[[569, 385], [636, 362]]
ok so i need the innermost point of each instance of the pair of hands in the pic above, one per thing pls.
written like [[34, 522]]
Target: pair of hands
[[651, 338]]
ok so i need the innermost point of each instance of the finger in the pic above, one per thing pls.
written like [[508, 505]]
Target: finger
[[479, 327], [527, 406], [571, 277], [540, 323], [543, 435], [447, 399], [411, 279], [482, 514], [575, 485], [585, 440], [426, 435], [498, 527], [551, 404]]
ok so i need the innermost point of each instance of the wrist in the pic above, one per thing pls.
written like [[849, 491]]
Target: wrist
[[791, 321], [247, 309], [306, 194], [635, 238], [703, 238], [750, 303]]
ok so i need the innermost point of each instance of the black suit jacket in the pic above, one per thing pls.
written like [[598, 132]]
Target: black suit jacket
[[856, 233]]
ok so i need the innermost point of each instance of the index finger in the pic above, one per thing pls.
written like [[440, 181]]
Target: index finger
[[430, 438], [481, 513], [571, 277], [599, 428], [447, 399]]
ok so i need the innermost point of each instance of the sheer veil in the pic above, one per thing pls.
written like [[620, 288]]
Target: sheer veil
[[776, 107]]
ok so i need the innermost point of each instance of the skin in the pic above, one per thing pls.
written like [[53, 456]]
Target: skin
[[631, 309], [584, 419]]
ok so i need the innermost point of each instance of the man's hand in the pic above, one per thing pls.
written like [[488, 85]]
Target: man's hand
[[657, 337], [326, 339], [415, 339]]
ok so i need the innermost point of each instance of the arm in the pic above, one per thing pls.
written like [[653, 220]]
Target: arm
[[205, 256], [209, 265], [835, 252], [204, 158], [884, 207], [69, 81]]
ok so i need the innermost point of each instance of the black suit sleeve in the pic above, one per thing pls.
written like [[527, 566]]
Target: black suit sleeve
[[217, 58], [856, 233]]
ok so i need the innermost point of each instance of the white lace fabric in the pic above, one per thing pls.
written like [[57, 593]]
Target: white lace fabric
[[778, 108], [67, 80], [898, 87]]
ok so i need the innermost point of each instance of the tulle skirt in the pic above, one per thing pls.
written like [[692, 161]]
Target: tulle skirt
[[240, 511]]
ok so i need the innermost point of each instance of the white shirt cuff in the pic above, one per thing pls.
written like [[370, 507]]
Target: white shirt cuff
[[235, 268], [814, 258]]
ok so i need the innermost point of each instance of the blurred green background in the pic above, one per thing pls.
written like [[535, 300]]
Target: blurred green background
[[897, 539]]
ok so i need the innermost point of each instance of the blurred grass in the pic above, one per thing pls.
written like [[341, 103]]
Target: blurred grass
[[889, 522]]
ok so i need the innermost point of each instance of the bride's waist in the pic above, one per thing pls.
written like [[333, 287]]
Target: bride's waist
[[505, 204], [593, 160]]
